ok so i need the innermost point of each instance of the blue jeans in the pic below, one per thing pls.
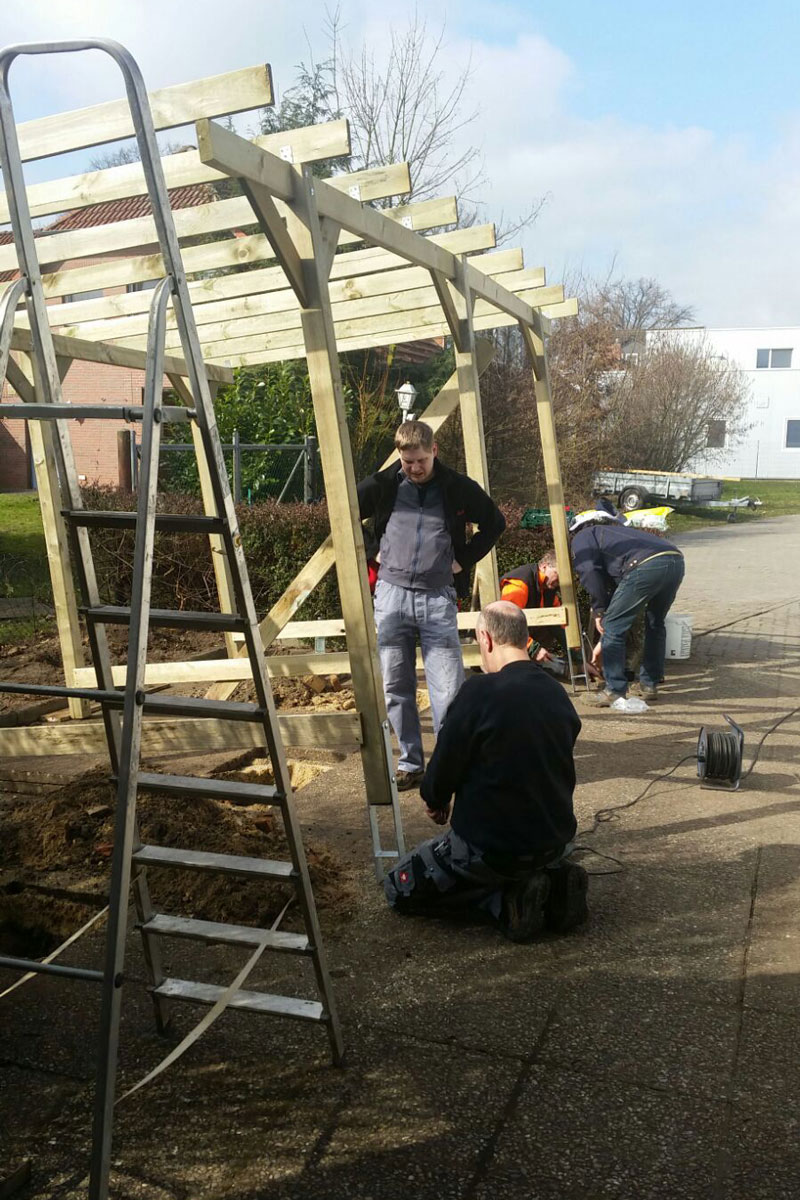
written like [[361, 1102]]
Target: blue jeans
[[402, 616], [651, 586]]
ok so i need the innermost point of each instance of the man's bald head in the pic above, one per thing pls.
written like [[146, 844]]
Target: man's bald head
[[505, 623]]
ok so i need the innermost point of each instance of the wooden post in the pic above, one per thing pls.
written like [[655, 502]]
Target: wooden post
[[552, 472], [125, 459], [43, 450], [219, 558], [315, 246], [474, 441]]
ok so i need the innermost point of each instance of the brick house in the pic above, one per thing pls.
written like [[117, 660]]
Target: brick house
[[94, 442]]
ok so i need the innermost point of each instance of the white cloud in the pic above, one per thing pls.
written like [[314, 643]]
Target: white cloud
[[711, 215]]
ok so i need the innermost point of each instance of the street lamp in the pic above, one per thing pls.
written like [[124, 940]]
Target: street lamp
[[405, 398]]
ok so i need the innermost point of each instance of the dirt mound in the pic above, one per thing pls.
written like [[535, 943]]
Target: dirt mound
[[56, 851]]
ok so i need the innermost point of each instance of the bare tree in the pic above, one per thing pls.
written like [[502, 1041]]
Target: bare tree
[[128, 152], [680, 402], [405, 109], [632, 306]]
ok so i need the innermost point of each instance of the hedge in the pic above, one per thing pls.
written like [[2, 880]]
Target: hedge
[[277, 540]]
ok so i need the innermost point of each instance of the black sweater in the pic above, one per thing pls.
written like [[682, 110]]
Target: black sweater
[[505, 750], [465, 502]]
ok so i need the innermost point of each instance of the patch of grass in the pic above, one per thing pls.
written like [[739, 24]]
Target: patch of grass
[[780, 497], [23, 557]]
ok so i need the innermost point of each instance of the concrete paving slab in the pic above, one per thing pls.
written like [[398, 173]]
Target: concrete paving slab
[[647, 1032], [578, 1135]]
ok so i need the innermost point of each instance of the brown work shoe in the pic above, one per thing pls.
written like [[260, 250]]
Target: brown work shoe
[[649, 691], [604, 699], [408, 780]]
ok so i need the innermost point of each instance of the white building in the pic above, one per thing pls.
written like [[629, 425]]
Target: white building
[[770, 360]]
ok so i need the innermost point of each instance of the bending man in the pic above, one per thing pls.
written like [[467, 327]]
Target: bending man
[[625, 570], [505, 751], [420, 510]]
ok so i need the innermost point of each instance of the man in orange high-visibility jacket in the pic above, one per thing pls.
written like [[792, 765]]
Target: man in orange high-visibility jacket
[[533, 585]]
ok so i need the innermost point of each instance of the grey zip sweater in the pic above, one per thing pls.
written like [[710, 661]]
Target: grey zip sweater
[[416, 547]]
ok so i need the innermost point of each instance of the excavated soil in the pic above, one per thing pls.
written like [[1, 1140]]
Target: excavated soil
[[56, 851]]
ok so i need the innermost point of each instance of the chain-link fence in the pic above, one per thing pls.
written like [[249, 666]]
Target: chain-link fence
[[256, 470]]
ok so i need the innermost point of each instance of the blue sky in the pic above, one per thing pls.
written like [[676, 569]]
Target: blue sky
[[666, 139]]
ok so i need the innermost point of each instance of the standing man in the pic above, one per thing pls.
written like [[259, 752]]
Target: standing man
[[505, 752], [420, 510], [626, 570]]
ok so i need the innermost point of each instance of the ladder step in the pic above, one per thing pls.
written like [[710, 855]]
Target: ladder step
[[204, 860], [165, 522], [259, 1002], [192, 706], [198, 706], [236, 935], [173, 413], [214, 789], [112, 614], [68, 693]]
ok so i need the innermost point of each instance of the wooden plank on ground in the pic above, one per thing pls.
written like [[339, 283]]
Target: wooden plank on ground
[[180, 104], [180, 735]]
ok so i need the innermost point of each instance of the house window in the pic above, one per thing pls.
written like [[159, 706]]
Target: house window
[[141, 286], [793, 435], [715, 435], [773, 358]]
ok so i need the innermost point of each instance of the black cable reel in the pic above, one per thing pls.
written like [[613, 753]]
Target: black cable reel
[[719, 756]]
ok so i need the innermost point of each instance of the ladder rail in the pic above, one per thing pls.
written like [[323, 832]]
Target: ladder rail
[[125, 824], [124, 731]]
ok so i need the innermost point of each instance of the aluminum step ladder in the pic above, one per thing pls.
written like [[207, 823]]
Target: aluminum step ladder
[[123, 709]]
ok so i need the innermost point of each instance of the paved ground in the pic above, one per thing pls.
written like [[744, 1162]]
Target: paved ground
[[655, 1054]]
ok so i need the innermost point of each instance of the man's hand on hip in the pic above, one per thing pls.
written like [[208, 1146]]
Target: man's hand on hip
[[439, 815]]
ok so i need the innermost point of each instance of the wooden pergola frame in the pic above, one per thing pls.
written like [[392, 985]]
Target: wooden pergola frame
[[396, 285]]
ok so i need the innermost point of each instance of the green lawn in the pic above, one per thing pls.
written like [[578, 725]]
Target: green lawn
[[779, 497], [23, 563]]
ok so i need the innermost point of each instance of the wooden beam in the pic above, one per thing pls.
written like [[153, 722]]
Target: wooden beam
[[391, 292], [385, 329], [114, 356], [452, 315], [340, 488], [232, 252], [215, 96], [291, 666], [238, 158], [42, 436], [472, 427], [111, 318], [273, 227], [179, 736], [259, 353], [552, 473], [310, 143]]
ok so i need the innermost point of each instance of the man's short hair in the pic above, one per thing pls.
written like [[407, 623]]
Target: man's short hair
[[414, 435], [548, 559], [505, 624]]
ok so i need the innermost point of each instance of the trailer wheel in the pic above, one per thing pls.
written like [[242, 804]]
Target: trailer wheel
[[631, 498]]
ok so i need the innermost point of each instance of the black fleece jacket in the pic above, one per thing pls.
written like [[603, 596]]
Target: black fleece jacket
[[604, 553], [506, 751], [465, 502]]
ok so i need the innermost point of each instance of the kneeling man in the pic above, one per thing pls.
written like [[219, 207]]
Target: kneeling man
[[505, 751]]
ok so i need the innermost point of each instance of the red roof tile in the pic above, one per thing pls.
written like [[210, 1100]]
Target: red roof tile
[[128, 207]]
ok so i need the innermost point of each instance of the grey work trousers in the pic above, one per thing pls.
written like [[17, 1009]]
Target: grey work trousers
[[403, 616]]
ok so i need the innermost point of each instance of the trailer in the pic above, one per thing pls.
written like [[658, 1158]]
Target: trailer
[[637, 489]]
